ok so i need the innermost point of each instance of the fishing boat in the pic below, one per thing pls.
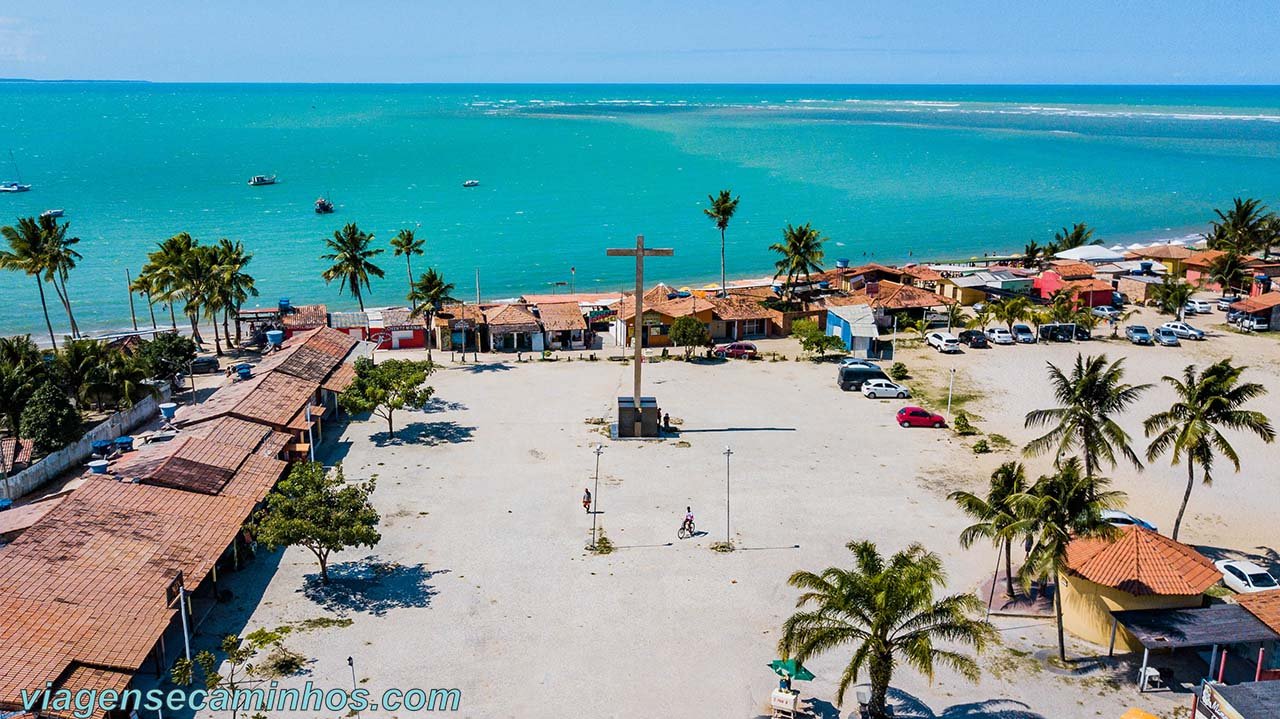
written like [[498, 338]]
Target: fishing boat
[[471, 183], [260, 180], [323, 206], [53, 213], [10, 186]]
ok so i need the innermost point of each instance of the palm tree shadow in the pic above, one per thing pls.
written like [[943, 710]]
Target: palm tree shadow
[[907, 705], [372, 587], [485, 367], [1265, 557]]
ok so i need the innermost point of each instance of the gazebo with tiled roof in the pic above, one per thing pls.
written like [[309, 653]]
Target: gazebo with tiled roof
[[1138, 569]]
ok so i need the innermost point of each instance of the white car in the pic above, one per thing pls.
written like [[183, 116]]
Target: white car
[[1184, 331], [1118, 518], [1200, 306], [1106, 313], [877, 388], [1244, 576], [1000, 336], [943, 341], [1254, 324]]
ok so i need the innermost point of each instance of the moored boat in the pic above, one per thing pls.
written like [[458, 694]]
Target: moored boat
[[323, 206], [53, 213], [260, 180], [471, 183], [13, 187]]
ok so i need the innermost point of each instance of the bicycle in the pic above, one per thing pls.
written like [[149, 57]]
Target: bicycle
[[686, 530]]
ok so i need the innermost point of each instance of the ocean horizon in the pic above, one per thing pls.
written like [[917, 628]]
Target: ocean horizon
[[891, 173]]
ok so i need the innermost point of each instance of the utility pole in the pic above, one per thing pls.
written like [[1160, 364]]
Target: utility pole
[[727, 454], [351, 662], [595, 496], [128, 285], [950, 388]]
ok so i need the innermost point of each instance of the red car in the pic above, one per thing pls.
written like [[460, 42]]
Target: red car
[[736, 350], [919, 417]]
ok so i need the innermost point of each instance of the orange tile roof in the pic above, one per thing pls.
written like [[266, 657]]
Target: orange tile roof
[[1263, 605], [1091, 285], [511, 318], [1262, 302], [1071, 269], [1142, 562], [893, 296], [1163, 252], [922, 273], [14, 451], [560, 316], [733, 308], [340, 379], [584, 298], [271, 399], [306, 317]]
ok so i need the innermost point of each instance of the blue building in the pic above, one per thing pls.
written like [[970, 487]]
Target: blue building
[[855, 325]]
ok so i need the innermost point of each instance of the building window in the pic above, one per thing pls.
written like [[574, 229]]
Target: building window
[[753, 327]]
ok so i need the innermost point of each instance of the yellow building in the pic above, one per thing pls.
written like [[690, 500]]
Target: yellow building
[[1140, 569]]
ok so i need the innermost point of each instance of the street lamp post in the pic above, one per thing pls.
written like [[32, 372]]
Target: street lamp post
[[727, 454], [351, 662], [595, 496], [951, 387]]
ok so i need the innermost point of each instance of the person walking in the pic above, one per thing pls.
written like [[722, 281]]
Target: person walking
[[586, 500]]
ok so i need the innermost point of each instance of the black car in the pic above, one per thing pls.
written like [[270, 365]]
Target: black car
[[851, 377], [974, 339], [204, 365]]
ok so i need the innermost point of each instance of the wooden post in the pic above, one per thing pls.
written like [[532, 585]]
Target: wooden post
[[638, 318], [128, 285]]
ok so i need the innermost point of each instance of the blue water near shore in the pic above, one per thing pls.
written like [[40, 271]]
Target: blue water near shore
[[886, 172]]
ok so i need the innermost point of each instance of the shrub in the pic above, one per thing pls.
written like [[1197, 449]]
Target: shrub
[[168, 355], [898, 371], [688, 332], [49, 420], [962, 424], [814, 340], [981, 447]]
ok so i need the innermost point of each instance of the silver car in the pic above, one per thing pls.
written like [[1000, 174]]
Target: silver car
[[1000, 336]]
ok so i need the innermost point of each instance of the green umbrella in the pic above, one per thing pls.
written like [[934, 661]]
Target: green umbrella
[[791, 668]]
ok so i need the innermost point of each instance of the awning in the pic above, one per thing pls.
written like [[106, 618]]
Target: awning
[[1180, 628]]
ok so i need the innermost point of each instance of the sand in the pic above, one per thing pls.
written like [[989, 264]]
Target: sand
[[481, 581]]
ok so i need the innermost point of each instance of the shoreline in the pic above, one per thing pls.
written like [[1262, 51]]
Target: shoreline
[[345, 305]]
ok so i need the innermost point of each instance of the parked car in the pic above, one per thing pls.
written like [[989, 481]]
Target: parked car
[[737, 350], [1138, 335], [1118, 518], [1024, 335], [1254, 323], [1054, 332], [1000, 336], [877, 388], [919, 417], [857, 361], [1201, 307], [1166, 337], [1184, 331], [204, 365], [1244, 576], [1224, 303], [974, 338], [943, 341], [1119, 299], [1106, 313], [1188, 309], [851, 377]]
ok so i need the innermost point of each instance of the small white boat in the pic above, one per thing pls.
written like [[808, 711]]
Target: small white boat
[[471, 183], [260, 180], [13, 187], [53, 213]]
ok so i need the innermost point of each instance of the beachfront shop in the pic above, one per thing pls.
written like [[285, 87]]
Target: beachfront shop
[[512, 328]]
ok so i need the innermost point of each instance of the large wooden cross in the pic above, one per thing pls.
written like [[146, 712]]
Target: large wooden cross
[[640, 252]]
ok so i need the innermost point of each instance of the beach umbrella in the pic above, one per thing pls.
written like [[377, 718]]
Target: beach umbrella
[[791, 668], [1116, 248], [1137, 246]]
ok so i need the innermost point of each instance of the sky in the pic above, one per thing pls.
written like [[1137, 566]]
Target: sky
[[645, 41]]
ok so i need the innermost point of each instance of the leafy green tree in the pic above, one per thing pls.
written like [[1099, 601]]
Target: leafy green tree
[[1191, 430], [351, 253], [813, 339], [689, 332], [317, 509], [28, 253], [222, 688], [1089, 399], [386, 387], [49, 420], [428, 295], [1171, 296], [167, 355], [183, 270], [801, 251], [887, 612], [80, 367], [1058, 508], [720, 210], [22, 371], [1229, 272], [1031, 254], [995, 513], [404, 243]]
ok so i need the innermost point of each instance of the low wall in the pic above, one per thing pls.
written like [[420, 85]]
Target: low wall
[[53, 465]]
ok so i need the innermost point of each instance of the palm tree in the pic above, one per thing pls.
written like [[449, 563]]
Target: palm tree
[[61, 259], [351, 257], [1079, 235], [721, 211], [28, 253], [981, 317], [404, 243], [801, 250], [919, 328], [1270, 235], [22, 371], [1191, 429], [1244, 226], [1031, 253], [1228, 270], [428, 295], [167, 273], [1011, 310], [995, 513], [887, 611], [1089, 399], [955, 316], [1056, 509], [1171, 296], [78, 368], [234, 286], [142, 284]]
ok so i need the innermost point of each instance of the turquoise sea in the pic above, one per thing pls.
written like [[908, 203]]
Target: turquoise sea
[[890, 172]]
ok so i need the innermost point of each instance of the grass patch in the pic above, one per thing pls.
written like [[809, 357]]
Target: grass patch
[[280, 662], [604, 545], [307, 625], [722, 547], [1012, 662], [1219, 591], [999, 442]]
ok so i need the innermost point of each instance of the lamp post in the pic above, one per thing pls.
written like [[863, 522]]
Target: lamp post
[[351, 662], [727, 454], [950, 388], [595, 496]]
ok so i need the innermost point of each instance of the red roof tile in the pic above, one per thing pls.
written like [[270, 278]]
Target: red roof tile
[[1142, 562], [561, 316], [1263, 605]]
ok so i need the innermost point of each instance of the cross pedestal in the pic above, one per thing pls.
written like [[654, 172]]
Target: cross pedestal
[[639, 427]]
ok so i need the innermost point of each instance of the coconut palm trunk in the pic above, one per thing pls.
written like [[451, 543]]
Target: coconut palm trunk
[[1186, 498], [151, 308], [1008, 568], [44, 306], [1057, 613], [880, 672]]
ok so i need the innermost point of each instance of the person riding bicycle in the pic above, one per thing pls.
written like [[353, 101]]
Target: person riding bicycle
[[688, 520]]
